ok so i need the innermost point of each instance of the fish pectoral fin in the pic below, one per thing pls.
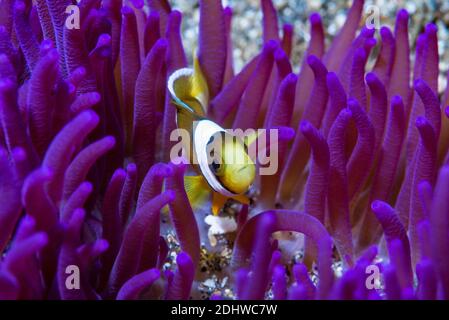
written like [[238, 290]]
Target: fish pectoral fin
[[218, 201], [197, 190], [241, 198]]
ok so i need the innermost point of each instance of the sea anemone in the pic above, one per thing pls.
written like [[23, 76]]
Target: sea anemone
[[93, 207]]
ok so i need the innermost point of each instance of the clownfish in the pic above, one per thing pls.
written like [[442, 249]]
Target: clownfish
[[225, 178]]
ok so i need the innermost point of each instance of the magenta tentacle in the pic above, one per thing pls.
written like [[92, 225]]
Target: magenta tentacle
[[229, 65], [111, 227], [343, 40], [59, 153], [427, 288], [378, 108], [10, 206], [425, 170], [394, 230], [337, 101], [78, 169], [229, 97], [306, 74], [134, 286], [302, 279], [287, 39], [145, 108], [182, 215], [400, 73], [128, 192], [76, 200], [314, 112], [152, 184], [279, 283], [25, 36], [439, 226], [286, 220], [175, 59], [130, 254], [317, 182], [130, 66], [362, 156], [386, 169], [212, 44], [250, 103], [181, 284], [338, 199], [385, 59]]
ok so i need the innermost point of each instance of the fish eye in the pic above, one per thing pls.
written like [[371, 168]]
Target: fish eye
[[215, 167]]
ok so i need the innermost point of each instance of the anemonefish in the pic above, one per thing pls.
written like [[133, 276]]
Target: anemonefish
[[226, 178]]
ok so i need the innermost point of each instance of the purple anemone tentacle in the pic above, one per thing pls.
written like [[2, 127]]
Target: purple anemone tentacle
[[130, 66], [228, 98], [145, 108], [343, 40], [212, 44], [270, 21], [362, 157], [338, 199], [181, 213], [181, 284], [439, 226], [249, 107], [394, 230], [59, 153], [128, 192], [314, 112], [385, 59], [306, 75], [134, 286], [128, 258], [286, 220], [78, 169]]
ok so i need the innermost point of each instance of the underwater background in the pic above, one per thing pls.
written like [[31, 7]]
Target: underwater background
[[91, 207]]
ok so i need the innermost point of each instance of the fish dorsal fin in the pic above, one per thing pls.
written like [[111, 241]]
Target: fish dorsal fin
[[188, 88]]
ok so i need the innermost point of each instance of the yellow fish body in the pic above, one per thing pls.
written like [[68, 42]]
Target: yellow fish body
[[230, 171]]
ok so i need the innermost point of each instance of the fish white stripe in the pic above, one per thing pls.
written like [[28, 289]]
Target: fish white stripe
[[203, 131]]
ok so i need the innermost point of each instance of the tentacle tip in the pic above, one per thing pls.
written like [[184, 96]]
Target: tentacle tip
[[287, 28], [396, 100], [176, 14], [171, 195], [271, 46], [138, 4], [127, 11], [371, 78], [368, 32], [421, 122], [385, 32], [279, 54], [431, 29], [131, 167], [19, 6], [19, 154], [227, 11], [183, 259], [305, 127], [291, 78], [315, 19], [402, 15]]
